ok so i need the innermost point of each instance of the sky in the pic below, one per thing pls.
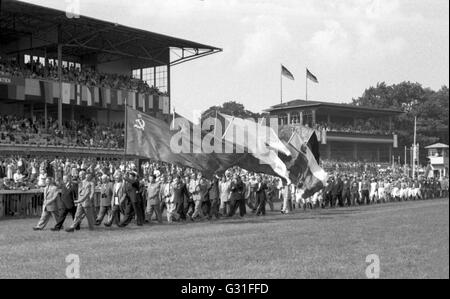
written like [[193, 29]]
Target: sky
[[349, 45]]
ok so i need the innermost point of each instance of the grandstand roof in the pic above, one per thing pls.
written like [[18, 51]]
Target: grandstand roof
[[334, 106], [86, 35]]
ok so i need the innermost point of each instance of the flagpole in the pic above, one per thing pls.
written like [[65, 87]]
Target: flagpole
[[415, 148], [172, 126], [215, 125], [306, 85], [281, 85], [126, 131]]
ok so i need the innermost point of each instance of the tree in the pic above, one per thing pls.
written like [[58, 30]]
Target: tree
[[230, 108], [430, 108]]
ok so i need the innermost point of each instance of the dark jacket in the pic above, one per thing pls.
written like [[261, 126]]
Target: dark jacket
[[214, 189], [179, 192], [237, 190], [260, 191], [336, 188], [68, 196], [132, 189]]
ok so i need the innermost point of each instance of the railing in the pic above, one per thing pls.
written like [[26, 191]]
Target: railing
[[21, 203], [43, 149], [24, 204]]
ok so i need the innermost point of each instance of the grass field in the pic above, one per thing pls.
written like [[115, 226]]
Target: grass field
[[411, 240]]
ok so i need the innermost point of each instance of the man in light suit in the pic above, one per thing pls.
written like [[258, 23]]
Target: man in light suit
[[66, 202], [50, 207], [118, 199], [153, 199], [106, 194], [84, 204]]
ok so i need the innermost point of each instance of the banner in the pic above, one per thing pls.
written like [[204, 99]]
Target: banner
[[152, 138], [166, 105], [66, 92]]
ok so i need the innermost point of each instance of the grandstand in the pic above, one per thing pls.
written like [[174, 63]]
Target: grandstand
[[78, 105], [347, 132]]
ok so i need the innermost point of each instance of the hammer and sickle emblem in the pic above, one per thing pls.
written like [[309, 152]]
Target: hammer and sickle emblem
[[139, 123]]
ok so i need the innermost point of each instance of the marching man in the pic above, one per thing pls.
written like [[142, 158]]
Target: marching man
[[50, 208]]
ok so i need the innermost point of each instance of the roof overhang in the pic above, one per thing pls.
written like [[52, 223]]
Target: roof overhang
[[85, 35]]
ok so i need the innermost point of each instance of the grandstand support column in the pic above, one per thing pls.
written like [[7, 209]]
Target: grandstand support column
[[378, 154], [329, 151], [288, 118], [168, 88], [60, 48], [313, 117], [72, 113], [391, 156], [301, 118], [31, 110]]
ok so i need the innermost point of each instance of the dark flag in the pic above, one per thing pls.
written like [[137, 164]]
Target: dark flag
[[151, 138], [286, 73], [311, 77], [314, 178]]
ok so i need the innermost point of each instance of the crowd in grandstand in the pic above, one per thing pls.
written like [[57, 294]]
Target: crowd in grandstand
[[128, 192], [72, 74], [367, 126], [82, 133]]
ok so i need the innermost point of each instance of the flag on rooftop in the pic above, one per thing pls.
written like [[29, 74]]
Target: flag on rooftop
[[311, 77], [286, 73]]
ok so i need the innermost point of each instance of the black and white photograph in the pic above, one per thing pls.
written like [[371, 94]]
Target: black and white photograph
[[219, 146]]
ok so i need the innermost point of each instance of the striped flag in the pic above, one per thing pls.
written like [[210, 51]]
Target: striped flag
[[311, 77], [314, 178]]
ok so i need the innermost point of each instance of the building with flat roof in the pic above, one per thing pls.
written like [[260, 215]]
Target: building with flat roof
[[346, 132]]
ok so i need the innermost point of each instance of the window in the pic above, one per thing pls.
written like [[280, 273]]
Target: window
[[161, 78], [148, 75], [154, 76], [27, 58], [42, 60], [136, 74]]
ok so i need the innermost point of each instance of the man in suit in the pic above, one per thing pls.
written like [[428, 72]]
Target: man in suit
[[117, 201], [179, 193], [237, 190], [336, 192], [214, 198], [106, 194], [153, 199], [84, 204], [260, 193], [346, 193], [50, 207], [133, 205], [66, 202]]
